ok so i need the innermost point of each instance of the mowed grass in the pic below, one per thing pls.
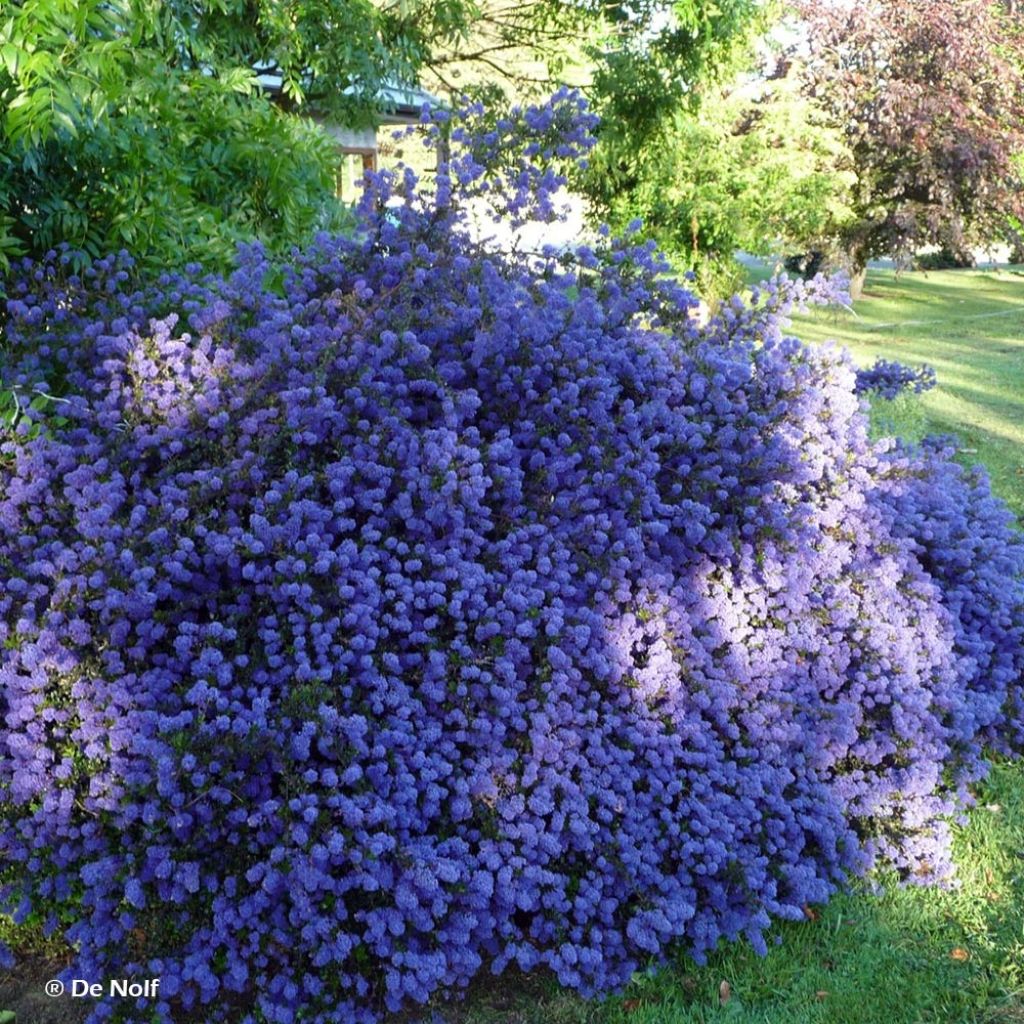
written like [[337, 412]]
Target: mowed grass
[[882, 953], [968, 325]]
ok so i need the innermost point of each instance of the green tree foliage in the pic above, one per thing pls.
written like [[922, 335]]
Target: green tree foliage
[[140, 123], [657, 59], [753, 168], [639, 61], [333, 56], [516, 50], [648, 68]]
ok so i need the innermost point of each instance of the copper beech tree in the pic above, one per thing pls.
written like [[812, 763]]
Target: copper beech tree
[[930, 97]]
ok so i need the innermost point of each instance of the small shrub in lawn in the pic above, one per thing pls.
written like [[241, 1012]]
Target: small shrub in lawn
[[887, 379], [415, 611]]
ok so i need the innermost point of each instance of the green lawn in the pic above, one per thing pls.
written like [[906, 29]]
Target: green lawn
[[969, 325], [901, 955]]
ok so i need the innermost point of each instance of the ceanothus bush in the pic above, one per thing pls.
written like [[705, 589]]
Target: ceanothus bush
[[415, 611], [887, 379]]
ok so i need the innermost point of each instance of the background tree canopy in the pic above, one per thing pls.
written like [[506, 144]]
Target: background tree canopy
[[754, 166], [867, 129], [930, 97], [645, 65], [139, 124]]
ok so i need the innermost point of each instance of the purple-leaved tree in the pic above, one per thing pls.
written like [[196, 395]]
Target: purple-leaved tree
[[930, 96]]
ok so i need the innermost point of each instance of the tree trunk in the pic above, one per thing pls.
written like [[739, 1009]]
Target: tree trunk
[[857, 276]]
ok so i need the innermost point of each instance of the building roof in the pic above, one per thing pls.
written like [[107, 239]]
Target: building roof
[[396, 104]]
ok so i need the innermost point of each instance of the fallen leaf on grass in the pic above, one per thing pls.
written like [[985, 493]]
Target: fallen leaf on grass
[[811, 914], [724, 992], [629, 1005], [821, 995], [959, 953]]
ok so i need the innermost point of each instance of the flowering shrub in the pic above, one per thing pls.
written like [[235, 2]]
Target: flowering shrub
[[416, 611], [887, 379]]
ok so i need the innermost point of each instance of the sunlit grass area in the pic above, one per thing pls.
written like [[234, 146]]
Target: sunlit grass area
[[969, 325]]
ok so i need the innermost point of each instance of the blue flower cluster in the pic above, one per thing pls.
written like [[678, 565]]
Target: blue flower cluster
[[887, 378], [416, 611]]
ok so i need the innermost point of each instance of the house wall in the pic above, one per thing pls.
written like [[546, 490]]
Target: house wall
[[353, 139]]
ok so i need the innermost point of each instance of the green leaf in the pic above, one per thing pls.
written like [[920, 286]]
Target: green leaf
[[10, 55]]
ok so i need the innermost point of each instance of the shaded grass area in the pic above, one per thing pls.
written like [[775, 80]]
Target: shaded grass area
[[969, 325]]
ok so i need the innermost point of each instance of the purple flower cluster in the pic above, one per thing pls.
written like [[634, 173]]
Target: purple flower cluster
[[887, 379], [415, 611]]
